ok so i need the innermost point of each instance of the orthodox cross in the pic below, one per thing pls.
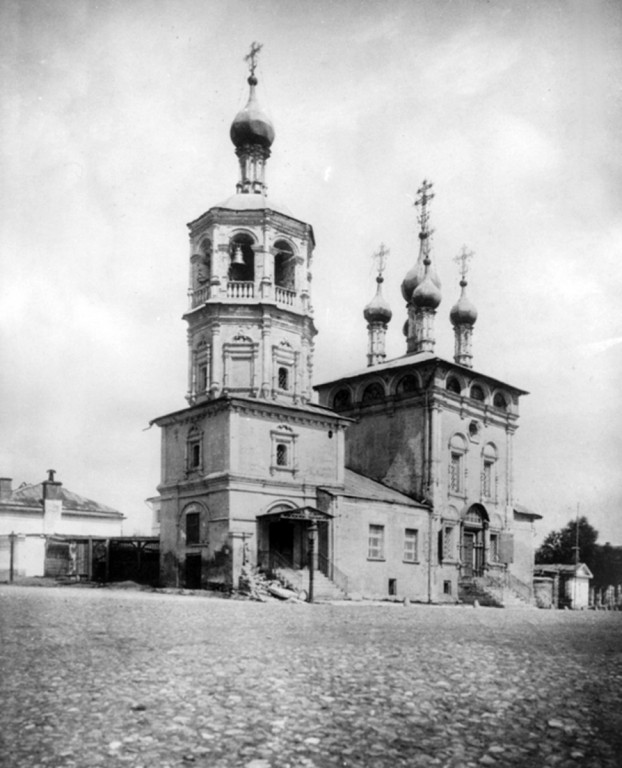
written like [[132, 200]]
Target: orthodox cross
[[424, 196], [252, 56], [462, 259], [380, 258]]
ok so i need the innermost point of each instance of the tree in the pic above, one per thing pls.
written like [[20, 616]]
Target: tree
[[559, 546]]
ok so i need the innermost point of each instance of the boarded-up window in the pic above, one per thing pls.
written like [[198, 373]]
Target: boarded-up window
[[506, 548]]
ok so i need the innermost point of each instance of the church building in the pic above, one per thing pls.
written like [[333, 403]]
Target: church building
[[394, 481]]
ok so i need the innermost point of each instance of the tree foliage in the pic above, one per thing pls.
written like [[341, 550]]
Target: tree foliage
[[604, 561], [559, 546]]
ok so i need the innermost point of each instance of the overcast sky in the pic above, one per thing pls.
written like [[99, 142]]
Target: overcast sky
[[115, 133]]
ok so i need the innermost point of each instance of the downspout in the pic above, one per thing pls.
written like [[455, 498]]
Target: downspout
[[429, 493]]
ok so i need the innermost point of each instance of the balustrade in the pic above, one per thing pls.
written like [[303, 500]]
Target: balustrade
[[240, 289], [284, 296]]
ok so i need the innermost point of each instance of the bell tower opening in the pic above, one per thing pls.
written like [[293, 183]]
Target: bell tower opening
[[241, 259]]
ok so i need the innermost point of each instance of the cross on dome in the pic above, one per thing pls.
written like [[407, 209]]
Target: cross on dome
[[380, 258], [462, 259], [251, 57]]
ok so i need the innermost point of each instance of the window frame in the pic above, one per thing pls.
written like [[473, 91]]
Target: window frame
[[376, 542], [411, 534]]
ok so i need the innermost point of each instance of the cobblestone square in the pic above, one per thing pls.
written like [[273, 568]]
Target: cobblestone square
[[103, 677]]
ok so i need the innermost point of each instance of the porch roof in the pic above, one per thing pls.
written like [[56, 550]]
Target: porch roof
[[307, 513]]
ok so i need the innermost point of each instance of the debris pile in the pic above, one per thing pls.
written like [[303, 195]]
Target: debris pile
[[258, 587]]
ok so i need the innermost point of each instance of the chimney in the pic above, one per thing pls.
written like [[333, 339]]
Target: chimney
[[52, 504], [5, 488], [51, 487]]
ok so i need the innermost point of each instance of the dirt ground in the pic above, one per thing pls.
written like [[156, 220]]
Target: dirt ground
[[111, 677]]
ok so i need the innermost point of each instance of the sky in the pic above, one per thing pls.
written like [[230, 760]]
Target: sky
[[115, 133]]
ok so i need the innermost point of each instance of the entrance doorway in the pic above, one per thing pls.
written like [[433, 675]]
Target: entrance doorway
[[472, 545], [281, 538], [193, 572]]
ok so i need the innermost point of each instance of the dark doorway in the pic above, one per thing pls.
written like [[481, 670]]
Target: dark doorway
[[193, 572], [282, 542]]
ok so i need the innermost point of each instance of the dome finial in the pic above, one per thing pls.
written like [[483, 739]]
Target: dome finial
[[463, 314], [251, 57], [252, 133], [378, 313]]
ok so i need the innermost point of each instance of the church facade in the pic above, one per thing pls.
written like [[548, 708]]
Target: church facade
[[397, 483]]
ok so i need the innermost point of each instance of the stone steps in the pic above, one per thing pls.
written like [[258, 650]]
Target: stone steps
[[494, 595], [298, 579]]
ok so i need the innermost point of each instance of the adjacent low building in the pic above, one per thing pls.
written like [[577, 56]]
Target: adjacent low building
[[44, 524]]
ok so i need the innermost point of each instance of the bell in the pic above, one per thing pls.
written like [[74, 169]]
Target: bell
[[238, 258]]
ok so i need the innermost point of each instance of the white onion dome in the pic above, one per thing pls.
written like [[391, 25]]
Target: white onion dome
[[378, 309], [463, 311], [426, 295], [251, 125]]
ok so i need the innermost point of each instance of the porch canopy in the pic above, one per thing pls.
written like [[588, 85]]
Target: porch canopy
[[303, 514]]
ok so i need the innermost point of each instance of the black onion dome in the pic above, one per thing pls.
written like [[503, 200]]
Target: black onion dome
[[463, 311], [426, 294], [378, 309], [251, 125]]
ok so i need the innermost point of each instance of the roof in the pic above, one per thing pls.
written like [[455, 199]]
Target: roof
[[522, 512], [413, 360], [255, 402], [361, 487], [31, 496], [580, 569]]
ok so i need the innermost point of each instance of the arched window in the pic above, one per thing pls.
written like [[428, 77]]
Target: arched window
[[284, 266], [453, 385], [488, 477], [373, 393], [500, 402], [457, 454], [241, 259], [407, 385], [477, 393], [204, 268], [342, 400]]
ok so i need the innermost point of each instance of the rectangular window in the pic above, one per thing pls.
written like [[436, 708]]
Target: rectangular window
[[455, 473], [392, 587], [202, 384], [194, 455], [410, 545], [448, 543], [193, 528], [281, 455], [376, 542], [487, 479], [283, 378], [494, 548]]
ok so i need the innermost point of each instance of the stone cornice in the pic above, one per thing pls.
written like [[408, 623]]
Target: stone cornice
[[267, 409]]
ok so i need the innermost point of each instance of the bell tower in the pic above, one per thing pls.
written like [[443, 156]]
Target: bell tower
[[249, 446], [250, 320]]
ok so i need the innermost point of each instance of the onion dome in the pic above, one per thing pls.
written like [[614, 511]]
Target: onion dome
[[251, 125], [426, 295], [416, 274], [378, 309], [463, 311]]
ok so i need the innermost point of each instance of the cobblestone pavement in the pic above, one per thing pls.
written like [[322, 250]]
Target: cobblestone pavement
[[100, 677]]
